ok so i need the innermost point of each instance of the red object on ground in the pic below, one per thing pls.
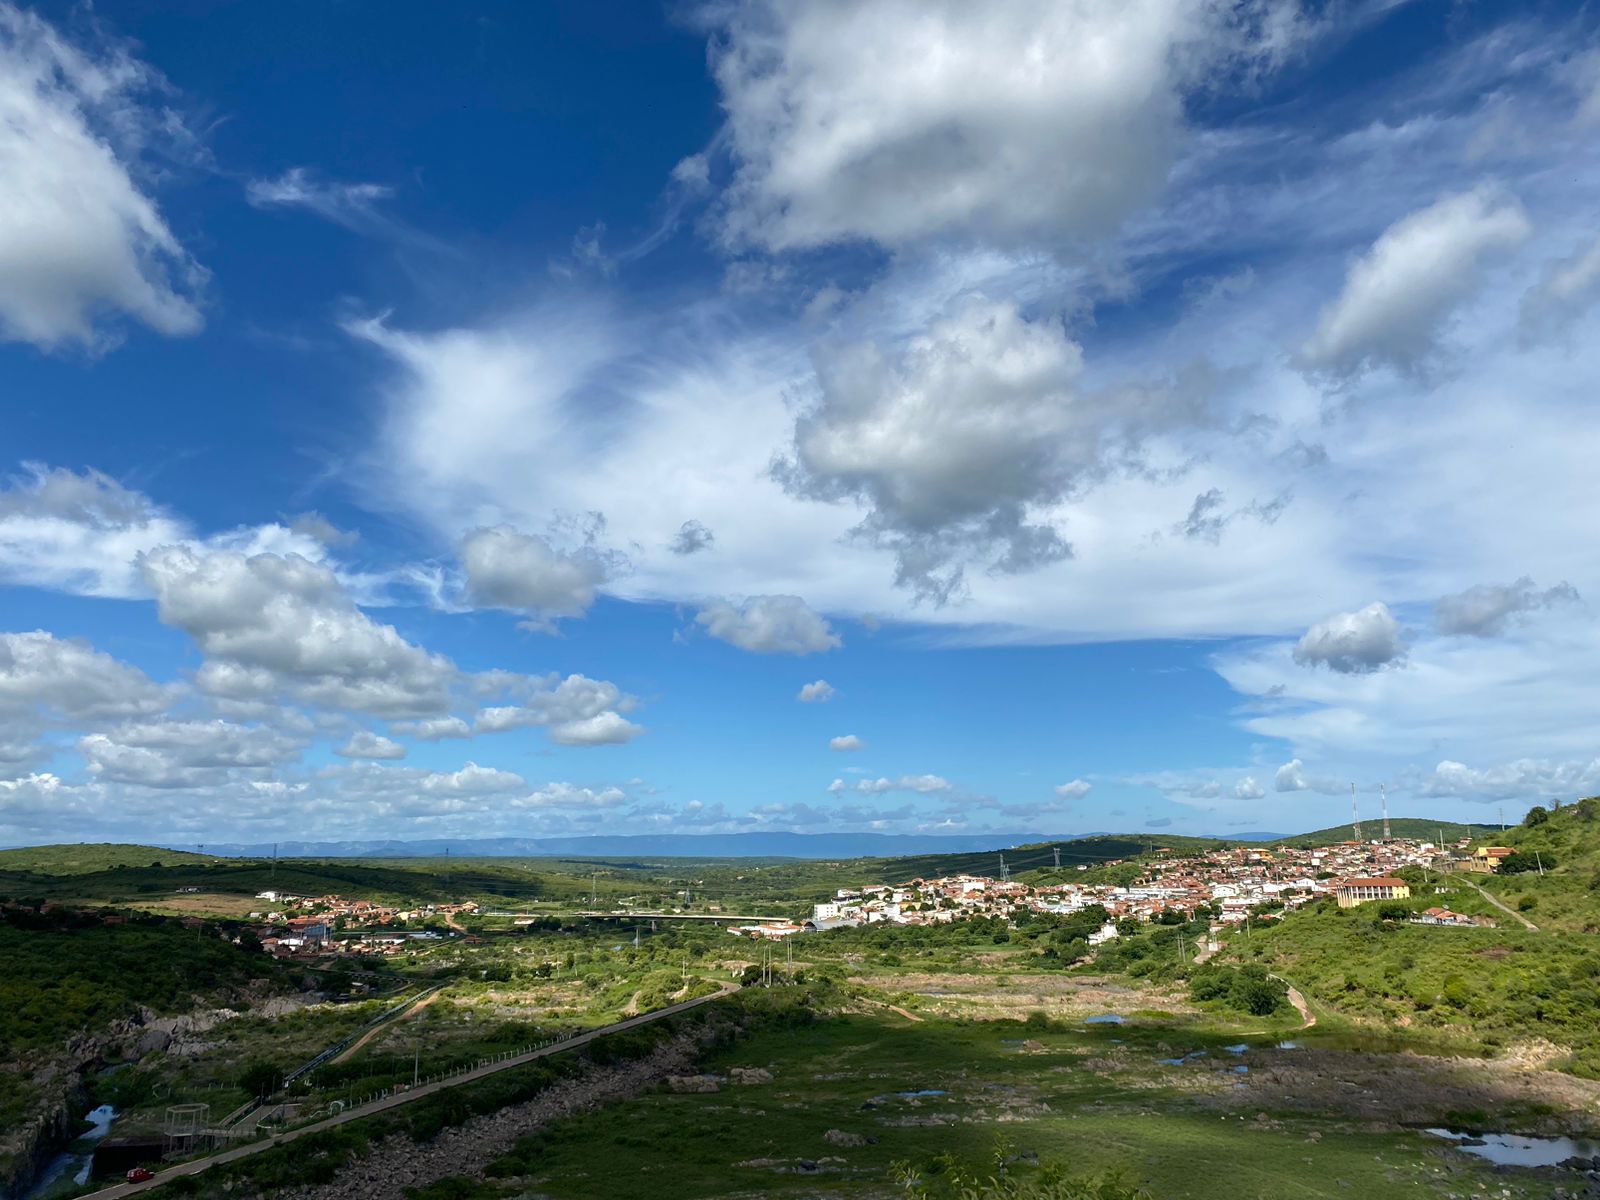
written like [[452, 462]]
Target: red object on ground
[[139, 1175]]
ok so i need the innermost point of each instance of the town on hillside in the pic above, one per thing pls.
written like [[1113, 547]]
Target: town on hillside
[[1228, 885]]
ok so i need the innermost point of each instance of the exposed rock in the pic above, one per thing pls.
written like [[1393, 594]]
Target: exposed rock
[[749, 1075], [694, 1084], [838, 1137]]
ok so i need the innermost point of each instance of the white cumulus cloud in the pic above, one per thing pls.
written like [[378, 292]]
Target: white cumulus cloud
[[507, 569], [82, 239], [1486, 609], [366, 744], [1353, 642], [1397, 296], [769, 625], [904, 119]]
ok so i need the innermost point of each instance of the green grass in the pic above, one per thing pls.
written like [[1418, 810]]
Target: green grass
[[1493, 986], [844, 1074], [82, 858]]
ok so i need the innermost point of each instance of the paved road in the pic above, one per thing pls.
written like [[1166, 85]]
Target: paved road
[[203, 1164], [1494, 900]]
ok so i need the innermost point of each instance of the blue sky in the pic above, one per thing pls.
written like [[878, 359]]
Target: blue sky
[[486, 420]]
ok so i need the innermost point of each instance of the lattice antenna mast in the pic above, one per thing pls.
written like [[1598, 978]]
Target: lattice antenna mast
[[1355, 815], [1384, 793]]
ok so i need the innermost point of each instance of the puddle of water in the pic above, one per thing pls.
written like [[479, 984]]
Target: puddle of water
[[1514, 1150], [1237, 1049], [1241, 1069], [1178, 1062], [1106, 1019], [923, 1092], [1288, 1045]]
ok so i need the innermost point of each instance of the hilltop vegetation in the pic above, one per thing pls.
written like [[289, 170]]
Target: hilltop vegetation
[[85, 857], [1556, 876], [1496, 986], [80, 879], [1087, 851], [1421, 829]]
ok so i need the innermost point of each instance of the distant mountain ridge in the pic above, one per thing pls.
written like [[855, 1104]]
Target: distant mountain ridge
[[667, 845], [782, 844]]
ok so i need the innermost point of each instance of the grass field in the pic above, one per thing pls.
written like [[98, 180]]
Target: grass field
[[1088, 1100]]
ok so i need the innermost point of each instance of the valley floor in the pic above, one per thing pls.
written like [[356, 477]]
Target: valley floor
[[1191, 1116]]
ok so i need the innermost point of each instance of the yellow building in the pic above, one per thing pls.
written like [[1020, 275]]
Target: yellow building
[[1359, 890]]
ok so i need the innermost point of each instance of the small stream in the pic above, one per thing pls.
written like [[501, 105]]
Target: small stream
[[74, 1163]]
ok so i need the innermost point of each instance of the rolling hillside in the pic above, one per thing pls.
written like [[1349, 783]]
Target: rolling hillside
[[1560, 849], [1423, 829], [82, 857], [1086, 851]]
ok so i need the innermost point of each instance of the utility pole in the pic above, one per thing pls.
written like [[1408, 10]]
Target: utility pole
[[1502, 811], [1384, 792], [594, 885], [1540, 861], [1057, 849], [274, 873], [1355, 815], [1005, 873]]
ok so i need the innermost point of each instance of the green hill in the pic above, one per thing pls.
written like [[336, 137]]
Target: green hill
[[1555, 881], [161, 872], [1087, 851], [1422, 829], [1479, 986], [83, 857]]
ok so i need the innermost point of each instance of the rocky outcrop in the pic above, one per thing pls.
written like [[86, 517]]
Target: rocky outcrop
[[56, 1084], [694, 1084]]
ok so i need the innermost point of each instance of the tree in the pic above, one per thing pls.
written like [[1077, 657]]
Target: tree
[[260, 1078], [1537, 815], [1517, 863]]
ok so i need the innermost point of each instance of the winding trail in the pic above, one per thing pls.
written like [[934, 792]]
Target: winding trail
[[1307, 1017], [422, 1002], [1301, 1006], [1494, 900]]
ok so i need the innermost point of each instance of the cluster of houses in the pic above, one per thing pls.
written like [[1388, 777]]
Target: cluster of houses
[[1230, 884], [304, 925]]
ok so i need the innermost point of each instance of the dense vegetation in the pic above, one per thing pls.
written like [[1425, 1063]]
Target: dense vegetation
[[161, 875], [1555, 875], [66, 972], [1492, 986]]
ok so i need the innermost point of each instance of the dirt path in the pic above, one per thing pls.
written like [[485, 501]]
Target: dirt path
[[1307, 1017], [395, 1101], [387, 1025], [1510, 912]]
